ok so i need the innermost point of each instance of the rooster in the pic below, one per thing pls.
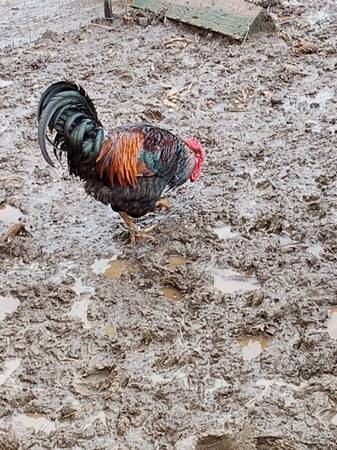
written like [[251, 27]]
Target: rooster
[[128, 167]]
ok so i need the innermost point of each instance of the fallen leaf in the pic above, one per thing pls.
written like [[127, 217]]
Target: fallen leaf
[[15, 230]]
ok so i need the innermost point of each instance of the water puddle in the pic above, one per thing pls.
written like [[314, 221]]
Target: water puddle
[[333, 215], [87, 384], [214, 384], [110, 330], [79, 310], [35, 421], [9, 366], [332, 323], [171, 293], [177, 261], [94, 417], [101, 265], [169, 377], [121, 267], [229, 281], [253, 346], [9, 214], [8, 305], [5, 83], [327, 415], [98, 376], [225, 232], [286, 240], [315, 249], [79, 288]]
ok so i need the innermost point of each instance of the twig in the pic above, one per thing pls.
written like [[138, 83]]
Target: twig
[[100, 26], [245, 38]]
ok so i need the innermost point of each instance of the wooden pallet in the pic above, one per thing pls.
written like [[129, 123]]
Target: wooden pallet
[[233, 18]]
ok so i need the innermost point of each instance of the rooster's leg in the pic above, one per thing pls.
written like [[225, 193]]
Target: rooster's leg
[[135, 232], [164, 203]]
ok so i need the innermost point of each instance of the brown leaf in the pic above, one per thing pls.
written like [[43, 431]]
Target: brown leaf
[[15, 230]]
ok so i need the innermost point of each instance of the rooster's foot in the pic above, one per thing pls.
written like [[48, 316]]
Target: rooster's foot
[[136, 234], [164, 203], [142, 235]]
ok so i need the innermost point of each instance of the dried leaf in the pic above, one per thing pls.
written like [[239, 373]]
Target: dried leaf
[[14, 230]]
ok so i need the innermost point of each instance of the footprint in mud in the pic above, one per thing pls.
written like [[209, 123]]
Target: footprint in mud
[[229, 281], [177, 261], [253, 346], [93, 381], [171, 293], [37, 422]]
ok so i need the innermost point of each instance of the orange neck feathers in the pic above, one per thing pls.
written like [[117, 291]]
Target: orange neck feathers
[[119, 156]]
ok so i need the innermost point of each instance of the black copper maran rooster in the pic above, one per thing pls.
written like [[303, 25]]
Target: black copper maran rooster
[[128, 167]]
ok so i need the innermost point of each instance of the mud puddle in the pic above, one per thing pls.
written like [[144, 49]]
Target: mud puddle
[[8, 367], [80, 288], [35, 421], [225, 232], [7, 306], [101, 265], [262, 166], [171, 293], [79, 310], [176, 261], [229, 281], [89, 383], [9, 214], [253, 346], [315, 249], [332, 323], [120, 268], [115, 269], [212, 443]]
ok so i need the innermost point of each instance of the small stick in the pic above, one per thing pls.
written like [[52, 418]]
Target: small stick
[[100, 26]]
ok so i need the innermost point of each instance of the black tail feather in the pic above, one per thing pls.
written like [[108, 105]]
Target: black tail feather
[[66, 108]]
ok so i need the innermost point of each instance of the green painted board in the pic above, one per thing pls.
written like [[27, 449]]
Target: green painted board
[[233, 18]]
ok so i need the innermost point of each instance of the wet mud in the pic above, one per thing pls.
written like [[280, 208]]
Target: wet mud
[[222, 332]]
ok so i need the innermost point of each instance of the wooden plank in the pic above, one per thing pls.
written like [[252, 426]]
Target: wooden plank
[[233, 18]]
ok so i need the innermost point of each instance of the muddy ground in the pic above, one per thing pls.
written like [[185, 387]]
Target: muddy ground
[[220, 334]]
